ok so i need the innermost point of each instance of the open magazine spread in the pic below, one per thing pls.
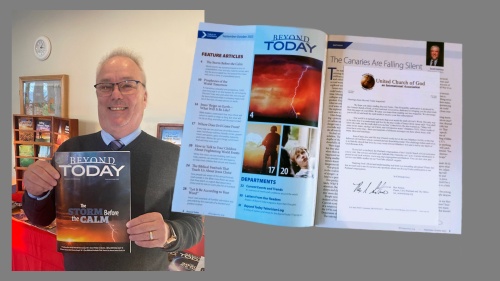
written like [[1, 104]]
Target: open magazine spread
[[293, 127], [93, 201]]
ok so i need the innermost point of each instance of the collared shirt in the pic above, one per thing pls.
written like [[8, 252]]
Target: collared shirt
[[107, 138]]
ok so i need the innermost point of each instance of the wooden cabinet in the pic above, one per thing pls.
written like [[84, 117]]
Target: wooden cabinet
[[38, 137]]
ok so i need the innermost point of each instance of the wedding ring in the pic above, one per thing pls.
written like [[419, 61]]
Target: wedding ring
[[151, 235]]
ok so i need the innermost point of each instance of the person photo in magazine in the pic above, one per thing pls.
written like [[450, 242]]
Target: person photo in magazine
[[300, 160]]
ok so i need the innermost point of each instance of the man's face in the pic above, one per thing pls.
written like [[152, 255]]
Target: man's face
[[302, 159], [121, 114], [434, 52]]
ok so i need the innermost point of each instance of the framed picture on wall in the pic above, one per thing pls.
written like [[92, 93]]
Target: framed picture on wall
[[170, 132], [44, 95]]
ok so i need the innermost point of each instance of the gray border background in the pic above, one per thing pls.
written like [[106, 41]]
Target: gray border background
[[237, 250]]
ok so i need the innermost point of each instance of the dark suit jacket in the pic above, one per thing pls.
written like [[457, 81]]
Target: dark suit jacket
[[439, 62]]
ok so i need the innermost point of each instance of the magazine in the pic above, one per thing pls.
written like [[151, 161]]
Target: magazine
[[25, 123], [294, 127], [184, 261], [44, 151], [62, 133], [26, 136], [43, 128], [26, 150], [18, 212], [93, 201]]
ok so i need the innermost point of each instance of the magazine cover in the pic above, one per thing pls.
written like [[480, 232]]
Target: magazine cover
[[26, 150], [44, 151], [25, 123], [184, 261], [43, 128], [26, 136], [62, 133], [93, 201]]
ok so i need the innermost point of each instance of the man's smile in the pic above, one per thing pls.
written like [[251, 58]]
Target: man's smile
[[117, 108]]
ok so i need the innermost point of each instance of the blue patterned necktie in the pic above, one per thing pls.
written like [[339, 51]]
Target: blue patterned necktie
[[115, 145]]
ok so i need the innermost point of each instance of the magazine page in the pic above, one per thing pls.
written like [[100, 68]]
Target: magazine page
[[251, 134], [393, 151], [93, 201], [389, 146]]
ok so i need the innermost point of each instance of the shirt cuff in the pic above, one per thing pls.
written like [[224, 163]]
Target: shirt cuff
[[41, 197]]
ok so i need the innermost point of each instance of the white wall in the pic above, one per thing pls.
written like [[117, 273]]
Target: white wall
[[164, 39]]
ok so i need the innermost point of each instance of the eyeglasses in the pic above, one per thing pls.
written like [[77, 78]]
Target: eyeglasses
[[126, 87]]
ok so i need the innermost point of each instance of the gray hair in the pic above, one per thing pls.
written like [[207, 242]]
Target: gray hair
[[122, 52]]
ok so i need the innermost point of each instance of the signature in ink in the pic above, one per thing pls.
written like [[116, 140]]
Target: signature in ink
[[381, 188]]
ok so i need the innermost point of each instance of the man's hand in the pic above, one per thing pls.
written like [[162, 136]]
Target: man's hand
[[148, 230], [40, 177]]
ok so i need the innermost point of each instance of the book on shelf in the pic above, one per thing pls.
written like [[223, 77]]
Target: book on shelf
[[25, 123], [363, 132], [26, 136], [43, 130], [26, 150], [63, 133], [44, 151], [93, 201]]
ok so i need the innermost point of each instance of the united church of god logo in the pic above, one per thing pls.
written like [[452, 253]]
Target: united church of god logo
[[367, 81]]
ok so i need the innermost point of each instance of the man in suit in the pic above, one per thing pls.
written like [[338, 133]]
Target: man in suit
[[154, 229], [434, 53]]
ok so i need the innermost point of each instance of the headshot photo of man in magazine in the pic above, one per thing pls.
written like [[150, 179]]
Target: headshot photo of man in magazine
[[435, 54], [153, 230]]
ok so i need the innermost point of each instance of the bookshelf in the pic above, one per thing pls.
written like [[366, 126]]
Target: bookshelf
[[38, 137]]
